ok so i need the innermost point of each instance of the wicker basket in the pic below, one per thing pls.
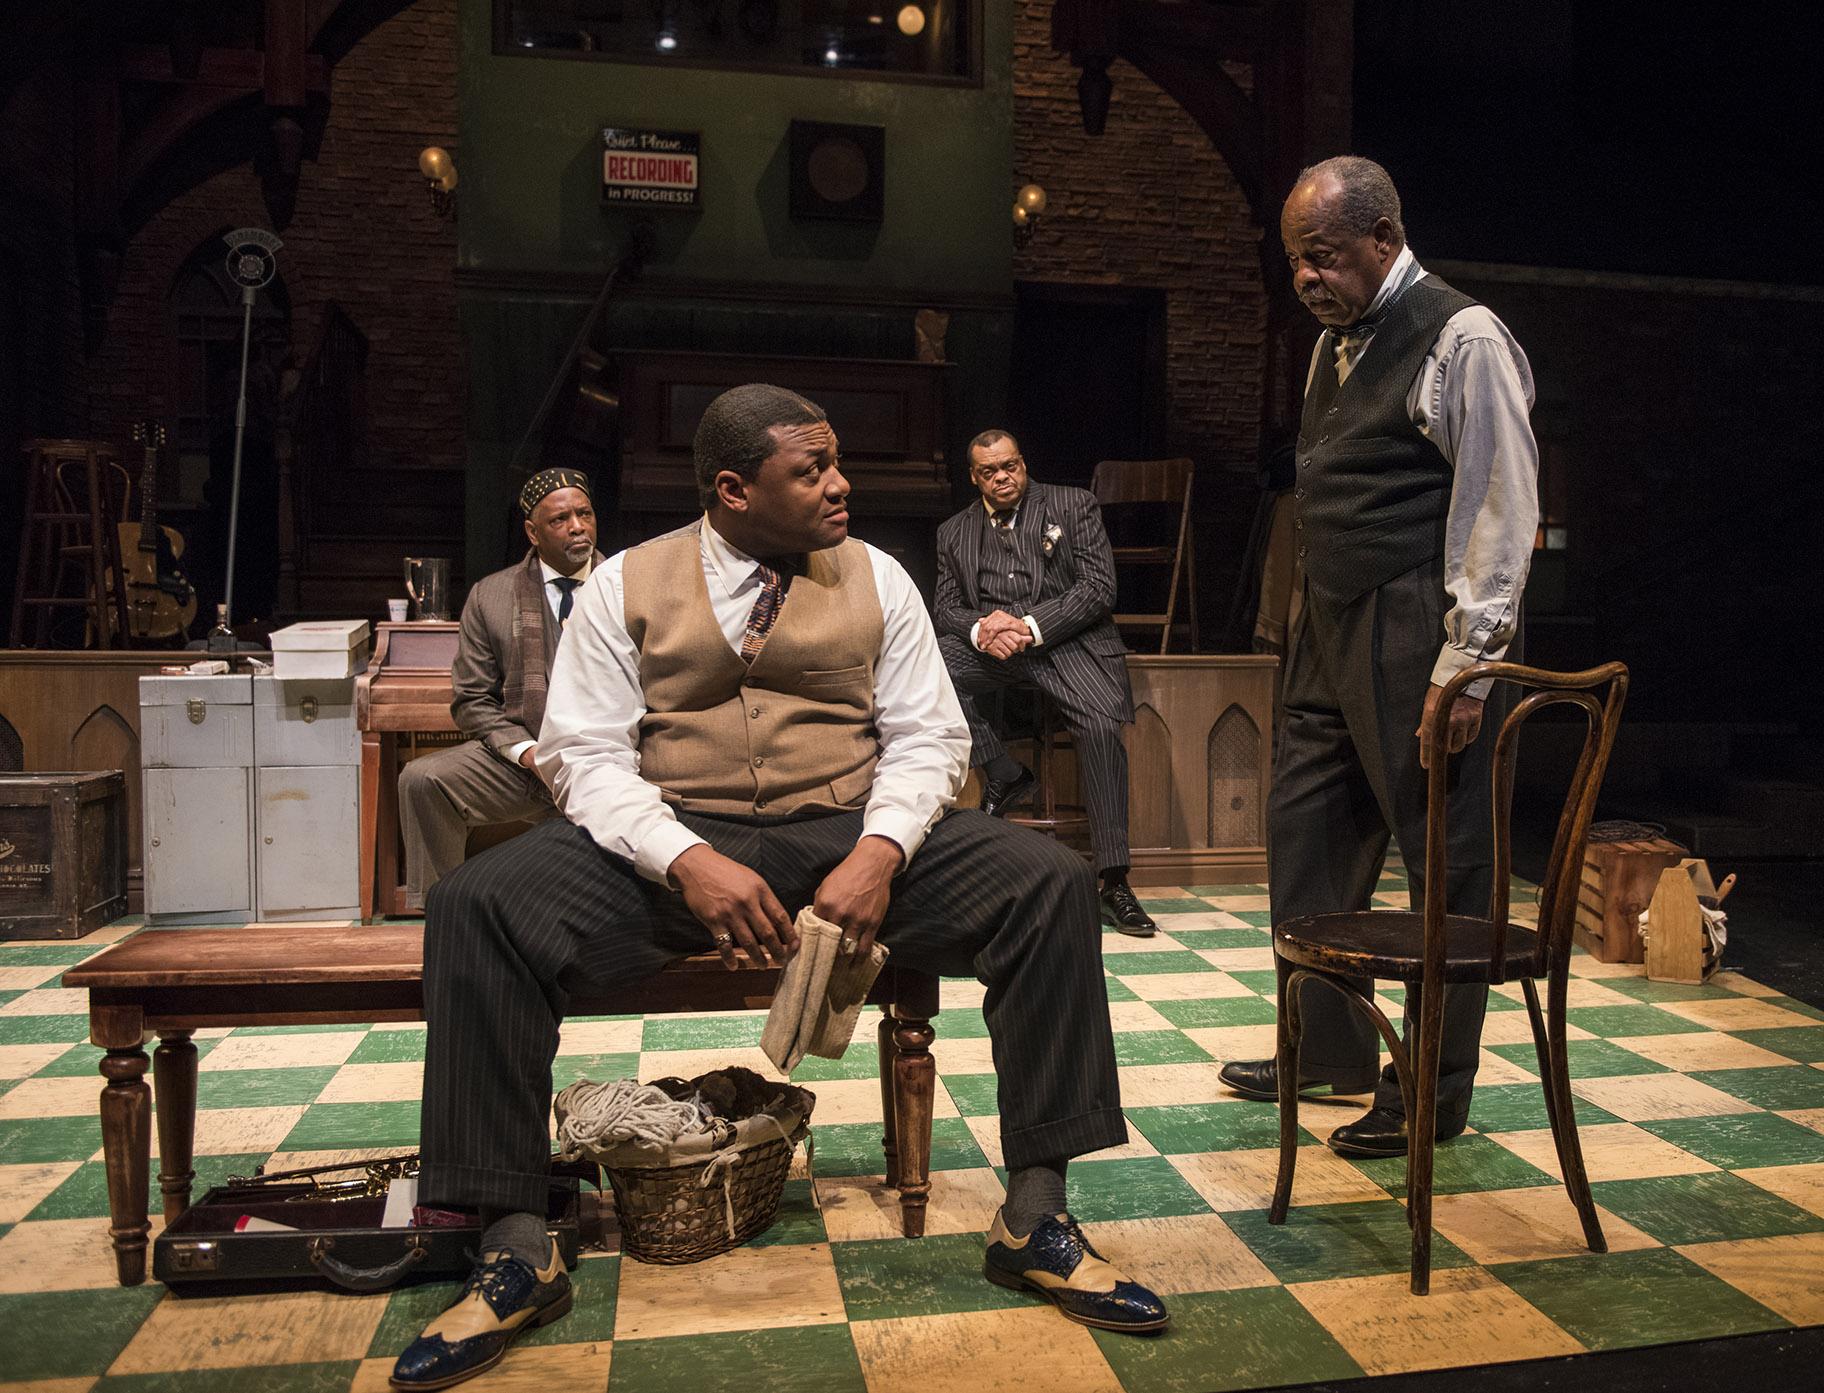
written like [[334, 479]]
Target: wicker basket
[[695, 1210]]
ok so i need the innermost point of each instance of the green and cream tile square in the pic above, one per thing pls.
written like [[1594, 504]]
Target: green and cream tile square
[[74, 1334], [1784, 1273], [1468, 1317], [1618, 1300], [981, 1351], [1253, 1337], [1743, 1140], [1326, 1242], [1202, 985], [1241, 1181], [804, 1359], [1705, 1208], [987, 1134]]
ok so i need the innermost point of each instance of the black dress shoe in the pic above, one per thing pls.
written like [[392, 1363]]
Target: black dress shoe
[[1259, 1079], [1123, 909], [998, 799], [1382, 1132]]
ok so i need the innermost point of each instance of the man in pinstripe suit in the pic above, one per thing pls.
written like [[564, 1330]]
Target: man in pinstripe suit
[[1025, 589], [748, 716]]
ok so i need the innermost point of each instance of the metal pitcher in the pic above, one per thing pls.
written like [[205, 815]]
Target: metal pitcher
[[427, 581]]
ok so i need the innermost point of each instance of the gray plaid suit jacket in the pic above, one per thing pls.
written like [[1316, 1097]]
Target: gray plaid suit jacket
[[1072, 602]]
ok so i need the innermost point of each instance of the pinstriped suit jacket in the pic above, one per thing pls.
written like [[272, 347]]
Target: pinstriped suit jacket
[[1072, 601]]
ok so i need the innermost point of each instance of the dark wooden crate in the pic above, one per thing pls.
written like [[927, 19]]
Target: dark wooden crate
[[1618, 882], [63, 853]]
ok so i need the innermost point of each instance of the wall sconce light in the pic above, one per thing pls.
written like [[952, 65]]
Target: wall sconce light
[[1028, 207], [439, 170]]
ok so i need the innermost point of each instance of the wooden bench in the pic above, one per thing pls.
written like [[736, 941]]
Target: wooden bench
[[173, 982]]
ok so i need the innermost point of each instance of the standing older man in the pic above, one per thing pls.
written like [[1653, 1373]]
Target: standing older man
[[1415, 505], [749, 716], [1025, 590], [510, 628]]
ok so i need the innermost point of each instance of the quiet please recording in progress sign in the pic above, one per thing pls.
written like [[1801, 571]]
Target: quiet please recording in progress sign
[[649, 169]]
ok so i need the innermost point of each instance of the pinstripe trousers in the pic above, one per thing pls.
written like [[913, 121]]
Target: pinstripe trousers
[[1101, 753], [1346, 777], [513, 933]]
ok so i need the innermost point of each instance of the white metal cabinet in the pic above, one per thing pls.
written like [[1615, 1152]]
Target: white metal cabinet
[[196, 746], [307, 755], [306, 841], [304, 721], [195, 722], [196, 827]]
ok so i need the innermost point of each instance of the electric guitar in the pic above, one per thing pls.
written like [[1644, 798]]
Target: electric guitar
[[161, 603]]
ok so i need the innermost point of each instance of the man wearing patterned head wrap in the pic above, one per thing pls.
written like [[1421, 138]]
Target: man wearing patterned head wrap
[[510, 629], [749, 717]]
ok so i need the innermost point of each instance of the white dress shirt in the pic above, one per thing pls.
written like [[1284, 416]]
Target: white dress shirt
[[1471, 398], [588, 751], [554, 596]]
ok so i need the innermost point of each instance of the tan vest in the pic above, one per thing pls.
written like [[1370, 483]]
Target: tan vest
[[793, 732]]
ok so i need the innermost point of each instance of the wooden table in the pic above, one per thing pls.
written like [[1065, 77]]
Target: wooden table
[[171, 983]]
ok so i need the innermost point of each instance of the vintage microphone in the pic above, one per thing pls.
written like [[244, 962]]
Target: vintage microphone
[[252, 262]]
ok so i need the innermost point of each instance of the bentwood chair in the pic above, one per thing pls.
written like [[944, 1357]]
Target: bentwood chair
[[1432, 948]]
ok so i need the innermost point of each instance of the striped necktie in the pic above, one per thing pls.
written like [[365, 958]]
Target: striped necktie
[[1348, 343], [766, 609]]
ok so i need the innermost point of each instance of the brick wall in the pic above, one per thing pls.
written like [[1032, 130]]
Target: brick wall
[[43, 381], [363, 236], [1147, 203]]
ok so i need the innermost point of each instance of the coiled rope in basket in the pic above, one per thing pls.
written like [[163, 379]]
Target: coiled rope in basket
[[685, 1187]]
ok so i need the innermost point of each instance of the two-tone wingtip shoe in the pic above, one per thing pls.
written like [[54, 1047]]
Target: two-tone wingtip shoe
[[1056, 1261], [502, 1299]]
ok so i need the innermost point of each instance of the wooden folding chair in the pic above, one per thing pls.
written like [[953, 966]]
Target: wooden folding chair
[[1162, 481]]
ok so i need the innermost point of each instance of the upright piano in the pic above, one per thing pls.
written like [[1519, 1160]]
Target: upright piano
[[402, 705]]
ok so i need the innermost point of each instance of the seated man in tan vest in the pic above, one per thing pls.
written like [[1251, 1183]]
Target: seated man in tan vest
[[748, 716], [510, 628]]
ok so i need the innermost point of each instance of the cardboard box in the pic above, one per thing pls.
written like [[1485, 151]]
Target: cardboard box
[[327, 648]]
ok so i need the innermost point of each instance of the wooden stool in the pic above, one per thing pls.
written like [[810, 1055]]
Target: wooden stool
[[1048, 815], [57, 528]]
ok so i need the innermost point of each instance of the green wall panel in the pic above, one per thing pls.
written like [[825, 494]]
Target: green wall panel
[[530, 162]]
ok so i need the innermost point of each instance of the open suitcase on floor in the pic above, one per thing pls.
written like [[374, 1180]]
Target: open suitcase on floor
[[334, 1234]]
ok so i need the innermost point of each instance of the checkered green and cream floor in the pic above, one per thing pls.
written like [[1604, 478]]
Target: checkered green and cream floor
[[1702, 1112]]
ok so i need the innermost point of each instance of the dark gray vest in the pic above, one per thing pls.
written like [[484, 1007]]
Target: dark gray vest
[[1010, 562], [1372, 492]]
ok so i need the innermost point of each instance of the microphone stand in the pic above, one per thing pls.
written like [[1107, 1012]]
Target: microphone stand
[[240, 433]]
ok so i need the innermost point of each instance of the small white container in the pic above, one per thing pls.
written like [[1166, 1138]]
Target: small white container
[[328, 648]]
